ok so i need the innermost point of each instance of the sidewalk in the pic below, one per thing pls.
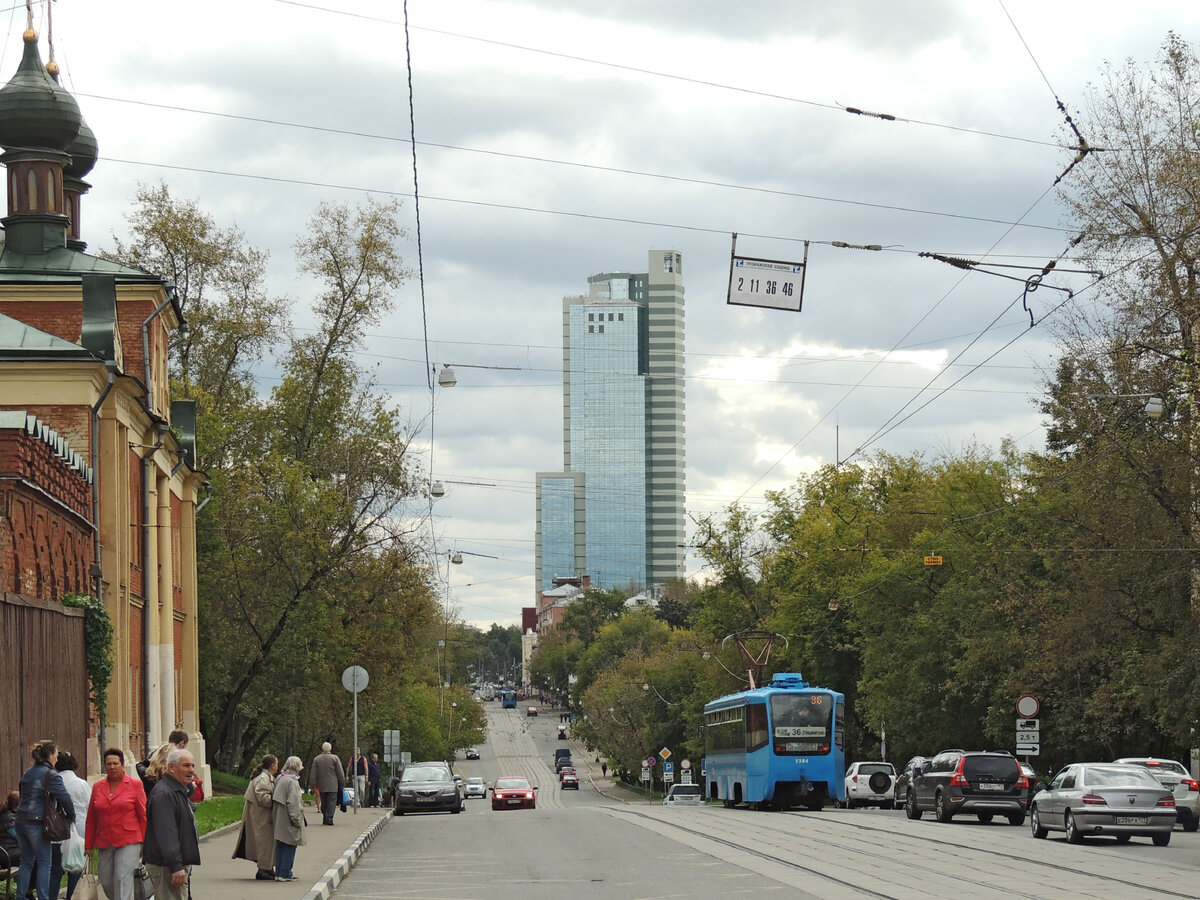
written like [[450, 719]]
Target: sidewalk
[[321, 864]]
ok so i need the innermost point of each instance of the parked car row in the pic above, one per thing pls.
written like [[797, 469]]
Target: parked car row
[[1131, 797]]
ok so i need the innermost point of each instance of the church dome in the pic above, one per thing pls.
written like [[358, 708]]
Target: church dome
[[84, 151], [35, 113]]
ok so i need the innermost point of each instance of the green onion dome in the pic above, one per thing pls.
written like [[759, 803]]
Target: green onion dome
[[35, 113]]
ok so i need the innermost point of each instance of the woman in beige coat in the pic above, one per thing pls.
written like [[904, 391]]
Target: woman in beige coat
[[257, 840], [289, 818]]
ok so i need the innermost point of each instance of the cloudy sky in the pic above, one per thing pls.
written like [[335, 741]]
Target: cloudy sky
[[556, 140]]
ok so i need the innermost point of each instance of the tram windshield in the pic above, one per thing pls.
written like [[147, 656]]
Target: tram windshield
[[800, 722]]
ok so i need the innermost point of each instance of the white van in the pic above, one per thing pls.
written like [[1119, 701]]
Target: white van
[[684, 795]]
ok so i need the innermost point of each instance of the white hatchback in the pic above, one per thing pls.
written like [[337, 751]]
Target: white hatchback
[[871, 784]]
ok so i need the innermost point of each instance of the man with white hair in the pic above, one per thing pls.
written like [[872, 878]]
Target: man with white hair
[[172, 844], [327, 777]]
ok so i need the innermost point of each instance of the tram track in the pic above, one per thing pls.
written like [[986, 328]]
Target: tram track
[[1024, 860], [898, 858]]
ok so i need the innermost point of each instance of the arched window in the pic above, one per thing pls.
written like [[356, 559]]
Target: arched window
[[33, 191], [51, 192]]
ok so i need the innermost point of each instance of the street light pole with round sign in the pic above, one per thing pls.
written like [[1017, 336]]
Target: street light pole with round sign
[[355, 679]]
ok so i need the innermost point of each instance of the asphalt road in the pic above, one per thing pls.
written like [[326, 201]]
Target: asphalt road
[[603, 842]]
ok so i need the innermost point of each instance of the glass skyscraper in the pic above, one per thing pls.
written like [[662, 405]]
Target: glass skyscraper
[[615, 512]]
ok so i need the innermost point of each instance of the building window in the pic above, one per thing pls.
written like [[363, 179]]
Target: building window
[[610, 317], [591, 329], [33, 191], [620, 317], [602, 329], [591, 317]]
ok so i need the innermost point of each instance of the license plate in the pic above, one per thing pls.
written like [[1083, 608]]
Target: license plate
[[425, 799], [515, 802], [1133, 820], [990, 787]]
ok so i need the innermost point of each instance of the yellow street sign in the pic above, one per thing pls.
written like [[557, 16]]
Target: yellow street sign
[[933, 560]]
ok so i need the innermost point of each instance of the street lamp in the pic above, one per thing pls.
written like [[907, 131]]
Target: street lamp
[[1154, 408]]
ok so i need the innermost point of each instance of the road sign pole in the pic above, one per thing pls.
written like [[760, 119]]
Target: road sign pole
[[355, 679], [356, 753]]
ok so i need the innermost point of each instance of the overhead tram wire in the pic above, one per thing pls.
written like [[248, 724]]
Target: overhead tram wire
[[879, 362], [1081, 152], [700, 182], [615, 170], [836, 107]]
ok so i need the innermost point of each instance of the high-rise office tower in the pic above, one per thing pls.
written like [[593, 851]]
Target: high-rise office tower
[[615, 512]]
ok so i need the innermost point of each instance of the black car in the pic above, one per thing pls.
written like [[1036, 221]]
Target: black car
[[982, 783], [904, 779], [426, 787]]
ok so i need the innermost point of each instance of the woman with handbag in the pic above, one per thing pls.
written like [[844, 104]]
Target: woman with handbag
[[257, 840], [81, 793], [116, 825], [44, 802]]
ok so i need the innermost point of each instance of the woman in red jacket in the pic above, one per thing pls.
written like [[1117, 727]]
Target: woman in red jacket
[[116, 825]]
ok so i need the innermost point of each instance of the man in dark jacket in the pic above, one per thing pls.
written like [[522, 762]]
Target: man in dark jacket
[[172, 843], [328, 778]]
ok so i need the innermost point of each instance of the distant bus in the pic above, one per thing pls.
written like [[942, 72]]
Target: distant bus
[[508, 699], [776, 746]]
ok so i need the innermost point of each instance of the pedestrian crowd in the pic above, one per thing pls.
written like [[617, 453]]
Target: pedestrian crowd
[[137, 832]]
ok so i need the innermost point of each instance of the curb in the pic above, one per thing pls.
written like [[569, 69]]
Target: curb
[[337, 873], [224, 829]]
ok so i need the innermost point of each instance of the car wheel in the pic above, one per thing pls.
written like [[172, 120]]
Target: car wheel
[[940, 810], [1035, 824], [398, 812], [984, 817], [1191, 823], [910, 806], [1017, 819], [1123, 838], [1073, 835], [1161, 839], [849, 802]]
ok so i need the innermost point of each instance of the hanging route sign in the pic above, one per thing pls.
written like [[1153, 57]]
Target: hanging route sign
[[766, 283]]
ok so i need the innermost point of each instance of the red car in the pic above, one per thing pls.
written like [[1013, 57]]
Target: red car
[[564, 771], [511, 792]]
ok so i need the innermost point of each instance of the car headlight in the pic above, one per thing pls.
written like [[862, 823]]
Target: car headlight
[[404, 792], [446, 791]]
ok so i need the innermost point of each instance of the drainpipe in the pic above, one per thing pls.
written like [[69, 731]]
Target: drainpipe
[[111, 366], [146, 344], [207, 497], [147, 656], [147, 609]]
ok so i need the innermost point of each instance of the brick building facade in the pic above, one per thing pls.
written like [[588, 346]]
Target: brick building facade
[[98, 487]]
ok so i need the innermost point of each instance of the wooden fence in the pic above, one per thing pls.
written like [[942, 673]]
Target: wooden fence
[[43, 682]]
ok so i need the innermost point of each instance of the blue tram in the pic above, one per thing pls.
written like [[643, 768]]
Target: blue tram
[[776, 746], [508, 699]]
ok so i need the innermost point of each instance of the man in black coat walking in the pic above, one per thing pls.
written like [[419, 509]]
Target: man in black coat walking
[[172, 843]]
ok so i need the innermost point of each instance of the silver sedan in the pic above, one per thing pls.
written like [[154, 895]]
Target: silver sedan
[[1091, 799]]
